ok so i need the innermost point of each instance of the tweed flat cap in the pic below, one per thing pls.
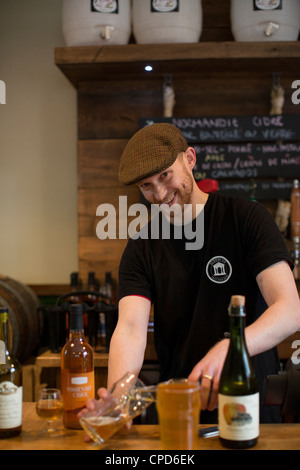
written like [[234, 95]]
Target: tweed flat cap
[[150, 151]]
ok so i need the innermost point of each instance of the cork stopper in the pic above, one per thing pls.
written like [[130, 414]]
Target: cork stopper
[[237, 301]]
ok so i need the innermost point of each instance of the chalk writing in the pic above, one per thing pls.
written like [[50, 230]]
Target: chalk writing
[[234, 128], [247, 161]]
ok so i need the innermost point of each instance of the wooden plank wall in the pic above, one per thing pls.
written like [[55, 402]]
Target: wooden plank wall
[[108, 113]]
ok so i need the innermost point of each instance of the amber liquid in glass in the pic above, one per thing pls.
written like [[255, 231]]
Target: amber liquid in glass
[[49, 409], [103, 427], [178, 406]]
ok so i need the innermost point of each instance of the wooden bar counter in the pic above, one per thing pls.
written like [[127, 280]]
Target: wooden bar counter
[[140, 437]]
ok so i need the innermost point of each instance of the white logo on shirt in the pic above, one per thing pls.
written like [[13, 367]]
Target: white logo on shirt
[[218, 269]]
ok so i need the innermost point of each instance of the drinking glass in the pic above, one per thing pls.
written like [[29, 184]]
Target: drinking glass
[[128, 398], [49, 407], [178, 405]]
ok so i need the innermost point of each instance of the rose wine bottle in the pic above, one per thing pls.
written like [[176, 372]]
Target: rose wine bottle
[[238, 390], [77, 370]]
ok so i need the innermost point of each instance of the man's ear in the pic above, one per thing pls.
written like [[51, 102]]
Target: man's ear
[[190, 157]]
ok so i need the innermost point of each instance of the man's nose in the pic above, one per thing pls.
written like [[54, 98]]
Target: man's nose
[[160, 193]]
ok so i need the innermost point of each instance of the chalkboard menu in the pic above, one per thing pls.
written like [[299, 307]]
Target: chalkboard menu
[[240, 150], [247, 160], [234, 128]]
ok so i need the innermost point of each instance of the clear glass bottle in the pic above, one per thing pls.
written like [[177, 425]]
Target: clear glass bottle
[[77, 370], [11, 392], [238, 407]]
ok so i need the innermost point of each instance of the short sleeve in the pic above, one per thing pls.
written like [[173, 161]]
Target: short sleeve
[[265, 245], [134, 275]]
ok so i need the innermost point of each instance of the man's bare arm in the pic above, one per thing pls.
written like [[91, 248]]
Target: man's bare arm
[[128, 343]]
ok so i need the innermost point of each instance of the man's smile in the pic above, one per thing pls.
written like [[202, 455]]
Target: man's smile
[[170, 199]]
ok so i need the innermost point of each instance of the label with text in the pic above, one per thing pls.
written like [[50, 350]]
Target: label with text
[[77, 388], [239, 417]]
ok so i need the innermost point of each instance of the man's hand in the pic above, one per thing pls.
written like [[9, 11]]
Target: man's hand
[[92, 404], [209, 370], [105, 402]]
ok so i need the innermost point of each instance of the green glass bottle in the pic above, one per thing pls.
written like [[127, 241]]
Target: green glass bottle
[[11, 392], [238, 407]]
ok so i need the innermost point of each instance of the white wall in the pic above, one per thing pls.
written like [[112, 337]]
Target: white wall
[[38, 151]]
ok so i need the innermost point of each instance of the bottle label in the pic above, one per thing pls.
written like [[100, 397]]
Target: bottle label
[[76, 389], [10, 405], [239, 417], [105, 6], [164, 6], [267, 4], [2, 352]]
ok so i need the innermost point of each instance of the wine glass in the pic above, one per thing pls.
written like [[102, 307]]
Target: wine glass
[[49, 407], [128, 398]]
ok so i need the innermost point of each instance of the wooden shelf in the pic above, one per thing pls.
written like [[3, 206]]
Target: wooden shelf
[[127, 62]]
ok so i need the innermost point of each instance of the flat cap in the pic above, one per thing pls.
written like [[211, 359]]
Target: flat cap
[[150, 151]]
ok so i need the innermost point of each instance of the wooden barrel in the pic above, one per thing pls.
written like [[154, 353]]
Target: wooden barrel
[[25, 321]]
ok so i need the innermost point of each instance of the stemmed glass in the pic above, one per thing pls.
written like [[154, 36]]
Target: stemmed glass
[[128, 398], [49, 407]]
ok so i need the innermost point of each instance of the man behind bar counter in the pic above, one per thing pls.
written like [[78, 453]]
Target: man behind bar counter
[[243, 253]]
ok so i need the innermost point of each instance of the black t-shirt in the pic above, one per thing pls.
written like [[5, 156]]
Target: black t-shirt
[[191, 289]]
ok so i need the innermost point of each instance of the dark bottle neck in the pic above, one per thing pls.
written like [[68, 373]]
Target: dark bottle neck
[[75, 317], [238, 353], [76, 323], [3, 336], [3, 327], [237, 326]]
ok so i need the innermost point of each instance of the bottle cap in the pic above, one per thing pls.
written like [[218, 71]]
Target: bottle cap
[[74, 278], [76, 322], [76, 309], [4, 312]]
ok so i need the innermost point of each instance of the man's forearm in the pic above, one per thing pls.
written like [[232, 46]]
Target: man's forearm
[[282, 317], [128, 343], [276, 324], [126, 354]]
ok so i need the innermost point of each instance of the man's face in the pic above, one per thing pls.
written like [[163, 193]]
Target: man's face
[[173, 185]]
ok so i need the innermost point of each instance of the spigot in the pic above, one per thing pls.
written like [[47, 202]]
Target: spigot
[[271, 28], [106, 32]]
